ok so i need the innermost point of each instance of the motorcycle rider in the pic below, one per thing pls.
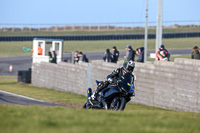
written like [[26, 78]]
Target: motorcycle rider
[[127, 68]]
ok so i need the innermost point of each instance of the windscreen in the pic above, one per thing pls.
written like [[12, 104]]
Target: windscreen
[[127, 82]]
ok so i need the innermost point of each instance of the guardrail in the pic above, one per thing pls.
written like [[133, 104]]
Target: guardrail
[[100, 37]]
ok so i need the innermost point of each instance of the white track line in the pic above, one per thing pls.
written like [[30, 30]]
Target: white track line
[[20, 96]]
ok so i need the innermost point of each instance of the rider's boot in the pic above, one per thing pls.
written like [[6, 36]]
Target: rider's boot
[[100, 87], [94, 95]]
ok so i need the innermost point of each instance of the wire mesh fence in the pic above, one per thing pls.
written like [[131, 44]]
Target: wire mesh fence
[[117, 26]]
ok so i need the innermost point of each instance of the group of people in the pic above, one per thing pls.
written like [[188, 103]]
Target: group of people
[[111, 57], [162, 54], [80, 57], [130, 54], [195, 53]]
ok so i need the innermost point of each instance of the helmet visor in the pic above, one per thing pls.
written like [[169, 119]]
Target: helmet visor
[[130, 68]]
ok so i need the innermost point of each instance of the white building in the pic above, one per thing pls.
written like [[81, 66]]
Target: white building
[[47, 45]]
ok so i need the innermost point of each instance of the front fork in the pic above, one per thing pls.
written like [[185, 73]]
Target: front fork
[[114, 102], [89, 92]]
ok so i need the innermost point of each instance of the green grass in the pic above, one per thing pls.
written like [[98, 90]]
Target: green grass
[[9, 83], [135, 118], [15, 48]]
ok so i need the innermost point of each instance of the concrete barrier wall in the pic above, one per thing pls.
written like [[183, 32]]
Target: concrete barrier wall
[[169, 85]]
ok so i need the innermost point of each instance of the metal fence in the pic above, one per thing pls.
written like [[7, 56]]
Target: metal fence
[[95, 26]]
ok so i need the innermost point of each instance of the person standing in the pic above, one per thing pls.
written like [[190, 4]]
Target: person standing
[[140, 54], [82, 57], [166, 53], [115, 54], [130, 53], [195, 54], [50, 57], [107, 56], [40, 50], [160, 55], [76, 57], [54, 56]]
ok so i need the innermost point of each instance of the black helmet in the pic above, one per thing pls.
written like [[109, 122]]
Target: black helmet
[[129, 66], [162, 46]]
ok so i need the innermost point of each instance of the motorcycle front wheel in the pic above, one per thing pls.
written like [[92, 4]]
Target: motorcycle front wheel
[[118, 103]]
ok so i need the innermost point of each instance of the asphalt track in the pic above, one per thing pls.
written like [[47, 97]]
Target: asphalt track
[[25, 62], [11, 98]]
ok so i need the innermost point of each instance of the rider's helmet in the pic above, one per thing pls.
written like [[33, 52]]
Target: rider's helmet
[[129, 66]]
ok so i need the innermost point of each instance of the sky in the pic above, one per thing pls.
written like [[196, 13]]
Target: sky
[[94, 11]]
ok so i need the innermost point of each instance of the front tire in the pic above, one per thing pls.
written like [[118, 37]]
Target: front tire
[[84, 105], [119, 105]]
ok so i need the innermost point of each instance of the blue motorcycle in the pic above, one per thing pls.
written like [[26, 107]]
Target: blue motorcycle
[[114, 97]]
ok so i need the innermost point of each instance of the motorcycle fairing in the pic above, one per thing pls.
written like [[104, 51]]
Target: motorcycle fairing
[[111, 93]]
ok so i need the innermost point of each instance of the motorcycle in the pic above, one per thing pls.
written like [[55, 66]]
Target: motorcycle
[[114, 97]]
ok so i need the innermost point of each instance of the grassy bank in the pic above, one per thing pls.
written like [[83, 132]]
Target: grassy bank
[[135, 118], [15, 48]]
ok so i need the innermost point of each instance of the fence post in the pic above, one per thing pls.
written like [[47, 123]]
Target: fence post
[[13, 28], [72, 58], [56, 28], [89, 27], [199, 24], [29, 27], [89, 75], [47, 28], [4, 29], [98, 27], [38, 27], [132, 26], [82, 27], [22, 29]]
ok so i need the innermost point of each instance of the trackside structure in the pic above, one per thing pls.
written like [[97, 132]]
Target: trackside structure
[[170, 85]]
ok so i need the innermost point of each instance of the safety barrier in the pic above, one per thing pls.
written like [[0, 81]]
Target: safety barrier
[[100, 37], [169, 85]]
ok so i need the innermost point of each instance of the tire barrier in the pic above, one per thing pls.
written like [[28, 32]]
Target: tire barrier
[[100, 37], [24, 76]]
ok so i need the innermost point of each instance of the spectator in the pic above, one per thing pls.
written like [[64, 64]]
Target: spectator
[[140, 54], [160, 55], [54, 56], [195, 53], [166, 53], [40, 50], [130, 53], [115, 54], [107, 56], [76, 57], [50, 57], [82, 57], [137, 52]]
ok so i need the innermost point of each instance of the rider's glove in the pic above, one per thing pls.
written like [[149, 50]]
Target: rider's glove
[[110, 80]]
